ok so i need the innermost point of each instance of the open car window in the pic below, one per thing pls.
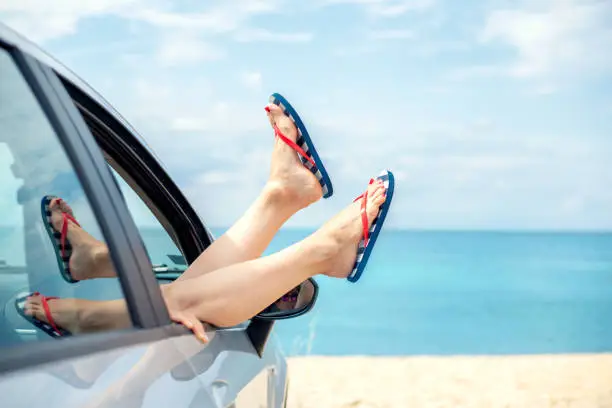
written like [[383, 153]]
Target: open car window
[[167, 260]]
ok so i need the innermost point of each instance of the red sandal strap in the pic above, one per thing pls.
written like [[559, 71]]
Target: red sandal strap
[[293, 145], [64, 233], [364, 215], [48, 314], [364, 220]]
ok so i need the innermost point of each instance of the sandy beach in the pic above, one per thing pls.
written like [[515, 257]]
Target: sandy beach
[[558, 381]]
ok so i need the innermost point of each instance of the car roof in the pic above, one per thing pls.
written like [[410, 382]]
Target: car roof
[[12, 38]]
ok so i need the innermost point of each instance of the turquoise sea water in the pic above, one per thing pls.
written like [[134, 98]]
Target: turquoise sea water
[[463, 293], [434, 293]]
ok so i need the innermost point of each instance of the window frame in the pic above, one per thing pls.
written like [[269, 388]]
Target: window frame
[[140, 289], [158, 191]]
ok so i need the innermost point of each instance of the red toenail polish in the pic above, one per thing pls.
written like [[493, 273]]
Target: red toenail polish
[[267, 108]]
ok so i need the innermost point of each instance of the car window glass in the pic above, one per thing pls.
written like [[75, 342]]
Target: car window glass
[[166, 257], [34, 170]]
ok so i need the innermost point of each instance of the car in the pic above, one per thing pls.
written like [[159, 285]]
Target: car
[[60, 138]]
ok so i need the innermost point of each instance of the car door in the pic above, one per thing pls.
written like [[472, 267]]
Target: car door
[[174, 236], [138, 359]]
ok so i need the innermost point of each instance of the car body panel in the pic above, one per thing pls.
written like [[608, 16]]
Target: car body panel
[[178, 371]]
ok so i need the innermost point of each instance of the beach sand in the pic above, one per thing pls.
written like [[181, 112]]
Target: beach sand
[[558, 381]]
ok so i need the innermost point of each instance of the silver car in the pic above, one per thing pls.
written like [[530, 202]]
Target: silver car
[[59, 138]]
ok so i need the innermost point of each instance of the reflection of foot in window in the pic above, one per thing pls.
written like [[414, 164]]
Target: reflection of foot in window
[[78, 315], [89, 257]]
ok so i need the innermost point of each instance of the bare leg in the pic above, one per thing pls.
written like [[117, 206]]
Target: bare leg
[[230, 295], [290, 188], [81, 315]]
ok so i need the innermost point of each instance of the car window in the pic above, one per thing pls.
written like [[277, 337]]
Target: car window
[[166, 257], [54, 248]]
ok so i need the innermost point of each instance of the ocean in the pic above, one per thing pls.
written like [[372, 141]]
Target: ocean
[[437, 293], [447, 293]]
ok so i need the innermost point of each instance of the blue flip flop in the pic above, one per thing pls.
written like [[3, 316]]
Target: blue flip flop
[[61, 244], [310, 158], [50, 328], [370, 235]]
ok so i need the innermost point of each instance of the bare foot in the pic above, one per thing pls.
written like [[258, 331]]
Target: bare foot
[[80, 315], [341, 235], [90, 257], [288, 176]]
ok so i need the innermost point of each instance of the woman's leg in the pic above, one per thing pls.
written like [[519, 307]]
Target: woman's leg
[[290, 188], [233, 294]]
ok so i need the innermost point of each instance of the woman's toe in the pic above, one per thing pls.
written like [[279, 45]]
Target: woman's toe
[[379, 199]]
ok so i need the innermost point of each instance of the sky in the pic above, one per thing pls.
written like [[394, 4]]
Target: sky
[[492, 114]]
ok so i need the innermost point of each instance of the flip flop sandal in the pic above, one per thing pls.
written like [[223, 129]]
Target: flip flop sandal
[[366, 245], [51, 327], [304, 145], [61, 244]]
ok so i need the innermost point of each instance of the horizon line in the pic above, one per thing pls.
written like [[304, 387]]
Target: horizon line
[[459, 230]]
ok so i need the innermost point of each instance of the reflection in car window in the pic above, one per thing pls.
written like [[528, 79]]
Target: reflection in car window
[[56, 276]]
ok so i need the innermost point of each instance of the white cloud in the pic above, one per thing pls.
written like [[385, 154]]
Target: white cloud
[[475, 71], [261, 35], [184, 47], [215, 20], [387, 8], [354, 51], [42, 20], [220, 17], [553, 37], [217, 177], [180, 37], [196, 116], [219, 118], [252, 80], [553, 42], [397, 8], [392, 34]]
